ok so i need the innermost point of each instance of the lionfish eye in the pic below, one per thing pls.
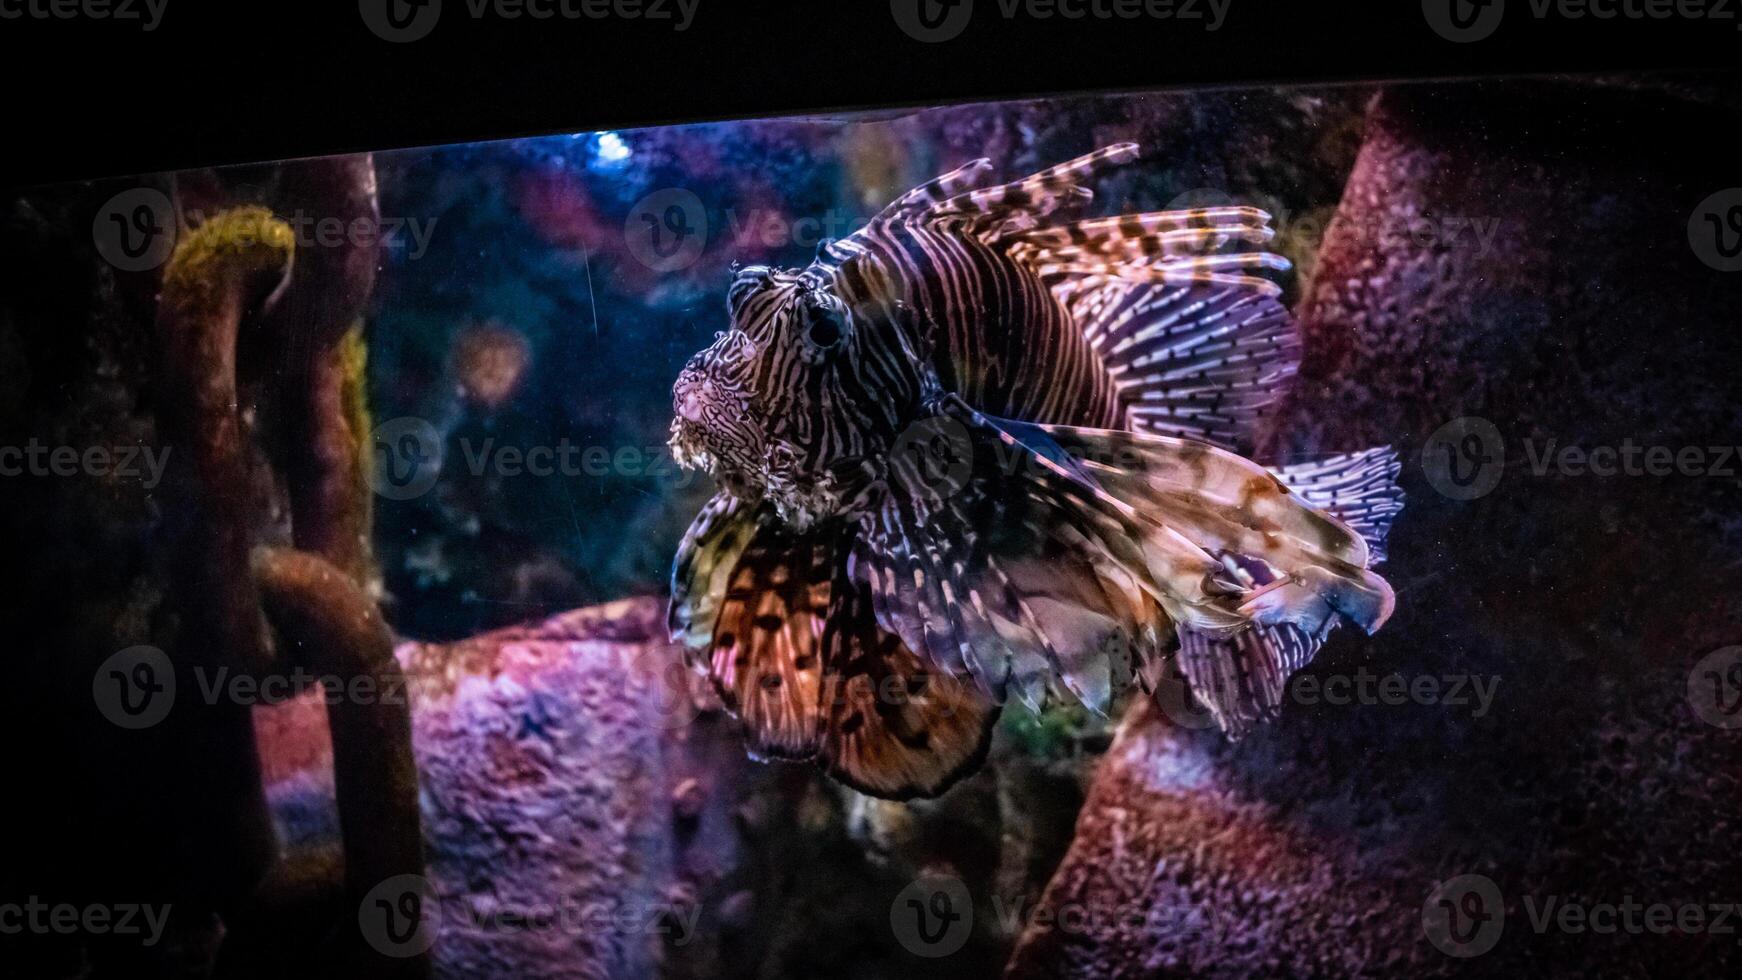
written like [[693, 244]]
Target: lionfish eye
[[825, 330]]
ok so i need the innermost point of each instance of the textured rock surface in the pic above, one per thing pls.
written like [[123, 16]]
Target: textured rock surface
[[551, 759], [573, 775], [1312, 848]]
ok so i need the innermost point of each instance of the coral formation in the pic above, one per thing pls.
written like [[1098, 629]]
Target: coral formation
[[316, 598]]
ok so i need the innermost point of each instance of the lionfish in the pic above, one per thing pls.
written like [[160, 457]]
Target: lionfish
[[976, 451]]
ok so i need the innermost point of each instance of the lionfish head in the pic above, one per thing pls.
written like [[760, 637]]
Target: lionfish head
[[790, 402]]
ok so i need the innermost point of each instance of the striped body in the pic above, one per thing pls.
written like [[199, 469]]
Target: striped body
[[927, 309], [1000, 337]]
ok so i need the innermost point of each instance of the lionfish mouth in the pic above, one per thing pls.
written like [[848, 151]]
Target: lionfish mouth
[[688, 448], [688, 433]]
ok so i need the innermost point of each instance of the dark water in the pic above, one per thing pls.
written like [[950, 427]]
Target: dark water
[[539, 253]]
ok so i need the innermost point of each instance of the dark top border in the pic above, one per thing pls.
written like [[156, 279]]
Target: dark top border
[[164, 84]]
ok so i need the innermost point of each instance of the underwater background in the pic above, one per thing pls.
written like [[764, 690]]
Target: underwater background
[[535, 312], [1523, 252]]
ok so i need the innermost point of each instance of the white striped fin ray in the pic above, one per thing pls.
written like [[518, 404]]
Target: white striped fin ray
[[1198, 361], [1360, 489], [1018, 205], [1168, 234], [1242, 680], [916, 204], [1176, 303], [932, 193]]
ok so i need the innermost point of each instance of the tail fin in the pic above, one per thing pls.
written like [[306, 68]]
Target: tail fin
[[1242, 679]]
